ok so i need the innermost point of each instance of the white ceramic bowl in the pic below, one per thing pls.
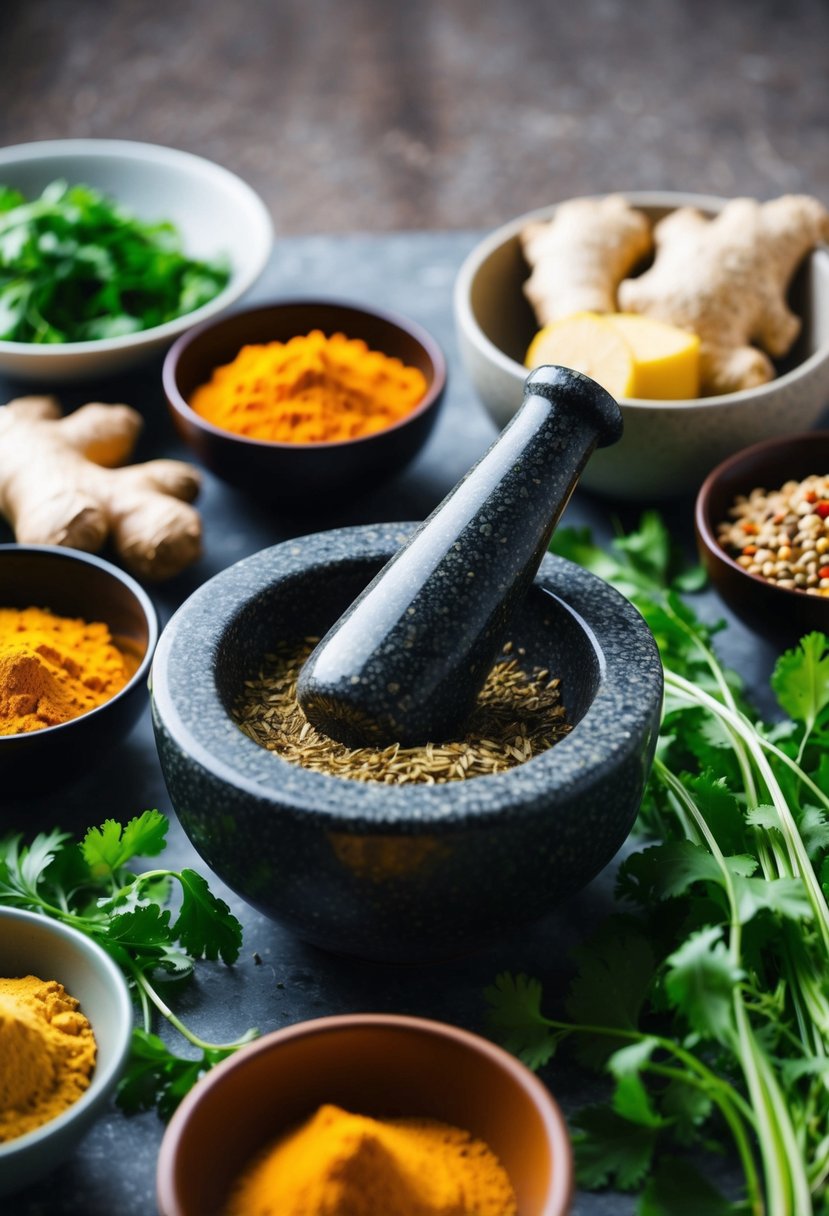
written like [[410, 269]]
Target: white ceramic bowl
[[668, 447], [34, 945], [215, 212]]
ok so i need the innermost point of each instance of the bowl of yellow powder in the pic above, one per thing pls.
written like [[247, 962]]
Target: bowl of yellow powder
[[367, 1114], [76, 640], [301, 400], [65, 1027]]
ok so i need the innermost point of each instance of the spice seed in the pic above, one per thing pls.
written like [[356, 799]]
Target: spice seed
[[789, 529], [518, 715]]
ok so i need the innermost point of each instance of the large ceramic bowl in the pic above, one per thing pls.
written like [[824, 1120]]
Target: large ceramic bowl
[[375, 1065], [668, 447], [292, 471], [74, 584], [33, 945], [779, 614], [401, 872], [215, 212]]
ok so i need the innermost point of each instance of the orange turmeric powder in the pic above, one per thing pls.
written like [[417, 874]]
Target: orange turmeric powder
[[54, 668], [47, 1053], [311, 389], [339, 1164]]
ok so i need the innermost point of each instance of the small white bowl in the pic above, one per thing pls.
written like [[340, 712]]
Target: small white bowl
[[34, 945], [215, 212], [668, 447]]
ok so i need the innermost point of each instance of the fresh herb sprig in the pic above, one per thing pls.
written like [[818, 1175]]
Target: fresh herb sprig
[[76, 266], [706, 997], [89, 886]]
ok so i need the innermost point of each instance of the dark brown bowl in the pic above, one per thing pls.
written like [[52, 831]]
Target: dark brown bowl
[[372, 1064], [778, 614], [281, 471], [75, 584]]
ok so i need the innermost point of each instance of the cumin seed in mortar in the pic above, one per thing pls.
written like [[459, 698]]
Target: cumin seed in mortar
[[518, 715]]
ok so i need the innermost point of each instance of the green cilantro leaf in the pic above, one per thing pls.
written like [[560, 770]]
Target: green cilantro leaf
[[88, 886], [630, 1097], [206, 927], [515, 1014], [616, 968], [110, 846], [801, 679], [700, 981], [686, 1107], [678, 1189], [609, 1150]]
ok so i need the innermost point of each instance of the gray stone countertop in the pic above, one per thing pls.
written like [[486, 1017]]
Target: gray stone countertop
[[114, 1169]]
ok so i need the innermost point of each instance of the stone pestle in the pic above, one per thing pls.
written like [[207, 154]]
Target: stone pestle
[[405, 663]]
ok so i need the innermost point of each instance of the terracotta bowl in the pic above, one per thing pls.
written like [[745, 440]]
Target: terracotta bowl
[[778, 614], [31, 944], [293, 471], [668, 447], [376, 1065], [75, 584]]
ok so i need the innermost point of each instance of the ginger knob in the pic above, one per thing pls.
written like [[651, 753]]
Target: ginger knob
[[58, 486]]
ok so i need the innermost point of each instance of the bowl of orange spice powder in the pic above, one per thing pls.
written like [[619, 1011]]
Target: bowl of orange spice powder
[[370, 1115], [77, 637], [65, 1031], [305, 397]]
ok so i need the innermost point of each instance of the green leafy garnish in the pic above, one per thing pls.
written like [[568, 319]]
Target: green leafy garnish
[[86, 885], [705, 998], [75, 266]]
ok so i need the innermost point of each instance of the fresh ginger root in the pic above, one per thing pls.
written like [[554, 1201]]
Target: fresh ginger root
[[59, 486], [726, 278], [580, 256]]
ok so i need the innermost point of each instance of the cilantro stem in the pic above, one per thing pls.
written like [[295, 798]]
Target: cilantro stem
[[801, 865], [726, 1106], [151, 993], [787, 1186]]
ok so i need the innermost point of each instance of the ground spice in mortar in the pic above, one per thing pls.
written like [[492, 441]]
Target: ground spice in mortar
[[339, 1164], [518, 715], [311, 389], [47, 1053], [782, 535], [54, 668]]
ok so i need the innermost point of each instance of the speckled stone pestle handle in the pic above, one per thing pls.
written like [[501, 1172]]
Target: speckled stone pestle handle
[[405, 663]]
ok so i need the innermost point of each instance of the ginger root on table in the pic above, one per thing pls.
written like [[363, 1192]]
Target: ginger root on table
[[59, 486], [580, 256], [726, 279]]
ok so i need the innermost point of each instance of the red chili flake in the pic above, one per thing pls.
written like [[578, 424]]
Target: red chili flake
[[822, 509], [810, 496], [749, 550], [823, 572], [749, 528]]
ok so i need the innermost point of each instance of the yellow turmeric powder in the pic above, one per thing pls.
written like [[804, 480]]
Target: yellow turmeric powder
[[311, 389], [339, 1164], [53, 668], [47, 1053]]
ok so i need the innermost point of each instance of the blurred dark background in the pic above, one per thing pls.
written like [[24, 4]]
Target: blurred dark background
[[374, 115]]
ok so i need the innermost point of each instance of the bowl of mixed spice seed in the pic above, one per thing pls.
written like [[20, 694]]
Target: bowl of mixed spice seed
[[762, 525], [402, 853]]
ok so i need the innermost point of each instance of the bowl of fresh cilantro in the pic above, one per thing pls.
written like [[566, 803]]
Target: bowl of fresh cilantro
[[109, 249]]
